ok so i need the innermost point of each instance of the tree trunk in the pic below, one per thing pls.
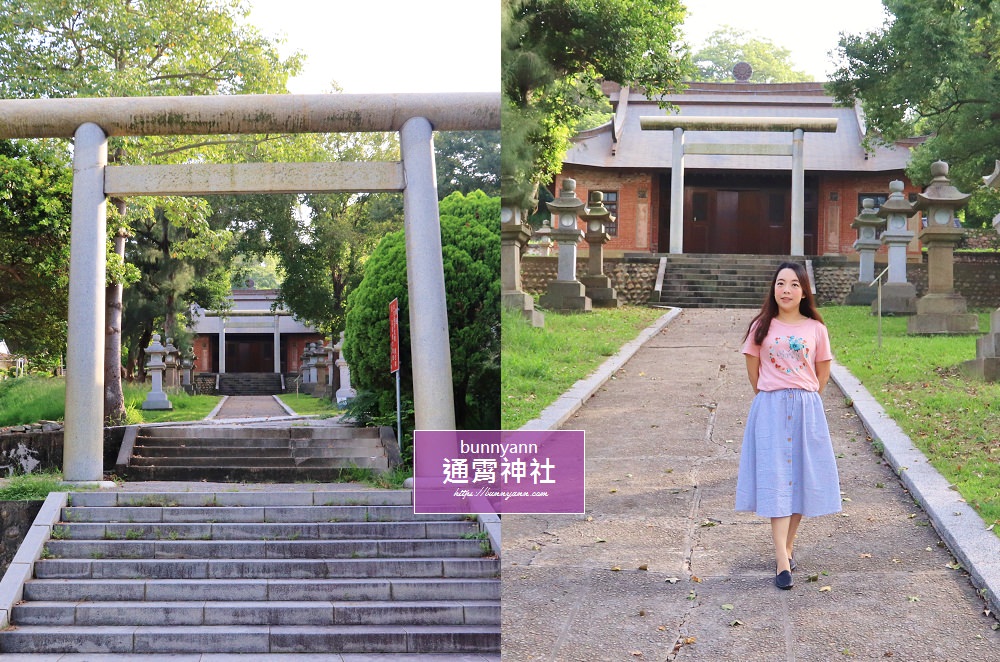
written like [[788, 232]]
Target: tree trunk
[[114, 398]]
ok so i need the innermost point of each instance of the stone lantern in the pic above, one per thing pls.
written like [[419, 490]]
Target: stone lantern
[[345, 393], [170, 364], [941, 310], [156, 398], [898, 296], [187, 365], [598, 285], [867, 224], [566, 293], [986, 365], [514, 234]]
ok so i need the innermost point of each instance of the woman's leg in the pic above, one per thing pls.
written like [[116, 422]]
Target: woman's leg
[[779, 533], [793, 527]]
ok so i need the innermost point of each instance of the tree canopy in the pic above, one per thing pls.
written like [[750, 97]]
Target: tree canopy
[[930, 70], [554, 53], [727, 46], [35, 193]]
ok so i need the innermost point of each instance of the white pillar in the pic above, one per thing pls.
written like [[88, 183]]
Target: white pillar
[[277, 344], [433, 400], [798, 195], [83, 450], [677, 194], [222, 345]]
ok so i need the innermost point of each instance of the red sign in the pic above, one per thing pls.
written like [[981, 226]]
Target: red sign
[[394, 336]]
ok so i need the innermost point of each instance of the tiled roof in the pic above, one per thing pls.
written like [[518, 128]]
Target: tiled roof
[[643, 149]]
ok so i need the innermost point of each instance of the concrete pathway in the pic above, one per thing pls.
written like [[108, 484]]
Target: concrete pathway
[[250, 406], [661, 568]]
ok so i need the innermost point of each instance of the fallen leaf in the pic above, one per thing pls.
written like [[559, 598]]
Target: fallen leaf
[[727, 607], [955, 565], [735, 623], [696, 579], [671, 580], [613, 490], [662, 628], [825, 589], [692, 595], [928, 549], [616, 569], [689, 640], [636, 653], [644, 566], [601, 540], [866, 556], [813, 578], [914, 598], [642, 612], [590, 518]]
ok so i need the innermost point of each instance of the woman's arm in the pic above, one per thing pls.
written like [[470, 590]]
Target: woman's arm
[[753, 371], [823, 373]]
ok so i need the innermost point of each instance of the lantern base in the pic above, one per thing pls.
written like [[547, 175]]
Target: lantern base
[[897, 299], [566, 296], [861, 294], [599, 289], [517, 300]]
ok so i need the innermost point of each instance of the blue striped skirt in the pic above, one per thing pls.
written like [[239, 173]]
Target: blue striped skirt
[[786, 463]]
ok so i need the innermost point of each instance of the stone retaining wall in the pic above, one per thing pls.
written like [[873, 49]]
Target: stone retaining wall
[[633, 281], [29, 448], [977, 277], [15, 520]]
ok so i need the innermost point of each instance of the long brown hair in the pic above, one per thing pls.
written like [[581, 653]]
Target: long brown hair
[[769, 310]]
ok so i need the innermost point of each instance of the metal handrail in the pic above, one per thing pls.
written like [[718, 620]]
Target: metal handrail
[[878, 279]]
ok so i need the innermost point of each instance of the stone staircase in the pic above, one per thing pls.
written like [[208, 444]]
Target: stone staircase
[[717, 281], [249, 453], [250, 383], [254, 572]]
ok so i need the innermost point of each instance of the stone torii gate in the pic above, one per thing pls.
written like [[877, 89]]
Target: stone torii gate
[[90, 121], [796, 125]]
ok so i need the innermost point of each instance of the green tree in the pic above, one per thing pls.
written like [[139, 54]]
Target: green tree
[[470, 234], [64, 48], [554, 53], [727, 46], [35, 194], [930, 70], [467, 161]]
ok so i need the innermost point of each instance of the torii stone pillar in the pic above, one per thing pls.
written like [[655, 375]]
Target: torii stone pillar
[[797, 126], [91, 120], [598, 285], [867, 222], [566, 293], [986, 365], [83, 451], [941, 310], [899, 297]]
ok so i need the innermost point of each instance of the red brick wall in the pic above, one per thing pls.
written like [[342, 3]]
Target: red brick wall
[[632, 235], [835, 236]]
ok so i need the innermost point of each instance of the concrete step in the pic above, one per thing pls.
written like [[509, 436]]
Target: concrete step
[[255, 531], [349, 497], [252, 639], [111, 589], [248, 514], [259, 549], [299, 473], [199, 461], [263, 612], [257, 572], [211, 442]]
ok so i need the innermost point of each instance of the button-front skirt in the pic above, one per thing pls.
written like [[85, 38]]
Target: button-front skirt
[[786, 463]]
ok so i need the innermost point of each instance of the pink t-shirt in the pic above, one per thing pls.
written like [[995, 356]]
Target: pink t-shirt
[[789, 354]]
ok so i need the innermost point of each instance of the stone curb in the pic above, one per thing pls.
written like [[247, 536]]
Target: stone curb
[[22, 567], [569, 402], [961, 527], [218, 406], [288, 410]]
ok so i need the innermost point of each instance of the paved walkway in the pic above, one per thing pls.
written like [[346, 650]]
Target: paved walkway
[[250, 406], [661, 568]]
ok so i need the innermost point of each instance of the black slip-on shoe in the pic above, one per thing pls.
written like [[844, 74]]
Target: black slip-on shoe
[[792, 564], [783, 580]]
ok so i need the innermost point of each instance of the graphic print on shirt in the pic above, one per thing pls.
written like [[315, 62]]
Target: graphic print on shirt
[[790, 358]]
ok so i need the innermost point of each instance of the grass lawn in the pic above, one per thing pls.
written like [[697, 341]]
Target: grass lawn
[[538, 365], [306, 405], [30, 399], [953, 419]]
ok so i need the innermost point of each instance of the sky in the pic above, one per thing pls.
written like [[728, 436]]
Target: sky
[[808, 29], [454, 45], [387, 45]]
